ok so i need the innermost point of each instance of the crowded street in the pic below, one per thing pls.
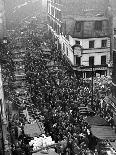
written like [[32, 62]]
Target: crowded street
[[55, 96], [50, 107]]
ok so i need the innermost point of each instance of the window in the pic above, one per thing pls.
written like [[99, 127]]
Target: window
[[103, 60], [48, 8], [91, 61], [77, 60], [91, 44], [98, 25], [58, 14], [67, 51], [48, 19], [77, 42], [52, 24], [63, 46], [57, 29], [78, 26], [52, 11], [104, 43], [55, 26]]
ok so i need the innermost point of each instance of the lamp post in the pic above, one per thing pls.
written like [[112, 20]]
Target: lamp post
[[92, 85]]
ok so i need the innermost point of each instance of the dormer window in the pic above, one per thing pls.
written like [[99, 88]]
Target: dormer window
[[78, 26], [98, 25]]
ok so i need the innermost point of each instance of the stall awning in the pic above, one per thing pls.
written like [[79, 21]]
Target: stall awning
[[49, 153], [34, 130], [96, 120], [103, 132]]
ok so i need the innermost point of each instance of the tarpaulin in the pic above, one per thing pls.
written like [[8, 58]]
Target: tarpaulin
[[34, 130], [96, 120], [103, 132]]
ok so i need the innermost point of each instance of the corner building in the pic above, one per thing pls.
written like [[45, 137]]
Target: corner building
[[83, 30]]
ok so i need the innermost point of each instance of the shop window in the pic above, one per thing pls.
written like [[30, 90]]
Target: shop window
[[103, 60], [91, 44], [91, 61], [98, 25], [104, 43]]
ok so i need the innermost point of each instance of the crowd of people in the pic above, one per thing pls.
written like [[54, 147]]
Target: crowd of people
[[56, 95], [59, 98]]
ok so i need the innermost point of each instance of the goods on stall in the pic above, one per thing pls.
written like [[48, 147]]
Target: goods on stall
[[40, 142]]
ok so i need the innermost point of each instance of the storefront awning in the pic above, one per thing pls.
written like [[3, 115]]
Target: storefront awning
[[103, 132], [96, 120]]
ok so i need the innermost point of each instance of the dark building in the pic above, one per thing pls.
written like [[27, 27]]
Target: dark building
[[112, 97]]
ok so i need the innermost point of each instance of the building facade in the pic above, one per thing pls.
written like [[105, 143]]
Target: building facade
[[86, 24], [112, 97]]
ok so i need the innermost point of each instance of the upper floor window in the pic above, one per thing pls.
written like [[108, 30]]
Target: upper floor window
[[67, 51], [48, 8], [104, 43], [103, 60], [77, 42], [91, 61], [63, 46], [78, 26], [58, 29], [57, 1], [52, 11], [98, 25], [58, 14], [91, 44], [77, 60]]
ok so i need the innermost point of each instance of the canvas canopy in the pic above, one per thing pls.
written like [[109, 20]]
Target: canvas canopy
[[96, 120], [34, 130], [103, 132]]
